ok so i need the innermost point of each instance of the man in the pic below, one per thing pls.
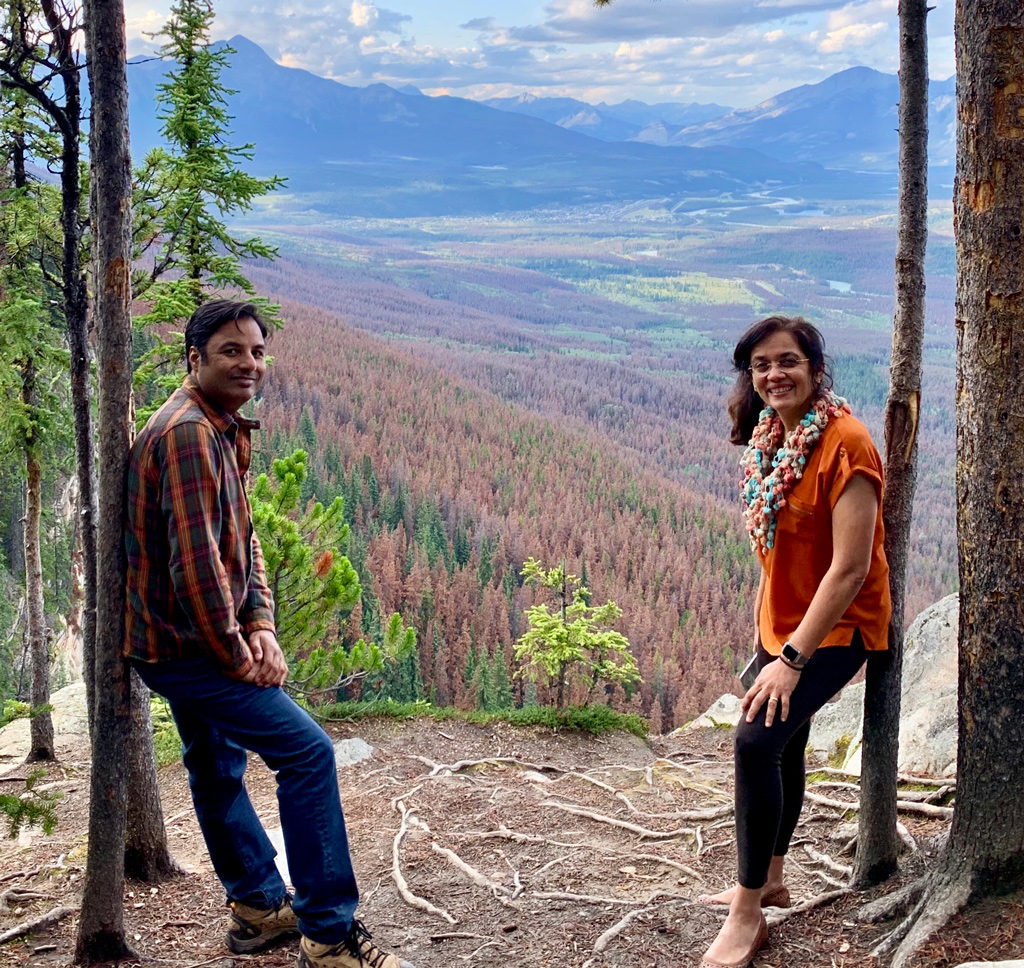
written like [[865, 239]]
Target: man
[[200, 632]]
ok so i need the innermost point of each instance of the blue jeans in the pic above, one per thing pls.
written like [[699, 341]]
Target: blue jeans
[[219, 718]]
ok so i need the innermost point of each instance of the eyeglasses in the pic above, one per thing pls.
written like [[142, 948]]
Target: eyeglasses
[[784, 363]]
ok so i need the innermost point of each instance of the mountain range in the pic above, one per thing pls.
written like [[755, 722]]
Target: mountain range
[[381, 151]]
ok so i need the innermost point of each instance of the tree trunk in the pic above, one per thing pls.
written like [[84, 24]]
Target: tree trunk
[[147, 856], [984, 855], [988, 827], [101, 935], [41, 725], [878, 842], [76, 305]]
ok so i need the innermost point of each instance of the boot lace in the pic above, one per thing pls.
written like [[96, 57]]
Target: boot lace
[[359, 943]]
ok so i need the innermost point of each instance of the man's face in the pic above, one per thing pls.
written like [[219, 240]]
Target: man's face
[[232, 364]]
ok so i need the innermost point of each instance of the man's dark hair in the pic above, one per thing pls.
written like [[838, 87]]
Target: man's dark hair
[[745, 405], [210, 316]]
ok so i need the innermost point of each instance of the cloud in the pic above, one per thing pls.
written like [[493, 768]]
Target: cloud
[[734, 52], [580, 22]]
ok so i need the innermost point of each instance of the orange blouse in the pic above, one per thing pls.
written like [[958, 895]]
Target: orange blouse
[[802, 552]]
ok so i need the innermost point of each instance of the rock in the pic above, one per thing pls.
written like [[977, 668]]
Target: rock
[[724, 712], [928, 703], [348, 752], [69, 714]]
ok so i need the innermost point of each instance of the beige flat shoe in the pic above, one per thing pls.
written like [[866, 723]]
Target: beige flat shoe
[[744, 962], [777, 897]]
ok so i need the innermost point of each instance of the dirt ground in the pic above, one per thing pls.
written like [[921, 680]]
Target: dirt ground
[[521, 847]]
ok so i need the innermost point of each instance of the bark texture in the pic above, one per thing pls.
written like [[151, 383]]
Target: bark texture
[[147, 856], [76, 305], [985, 852], [878, 842], [101, 935], [41, 724], [988, 828]]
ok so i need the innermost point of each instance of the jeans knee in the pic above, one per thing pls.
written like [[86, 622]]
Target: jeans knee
[[316, 754]]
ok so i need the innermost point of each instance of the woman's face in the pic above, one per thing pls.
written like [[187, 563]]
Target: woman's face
[[787, 383]]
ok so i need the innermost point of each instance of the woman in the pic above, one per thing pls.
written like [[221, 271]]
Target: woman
[[812, 489]]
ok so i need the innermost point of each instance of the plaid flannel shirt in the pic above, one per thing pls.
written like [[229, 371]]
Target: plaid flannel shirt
[[196, 579]]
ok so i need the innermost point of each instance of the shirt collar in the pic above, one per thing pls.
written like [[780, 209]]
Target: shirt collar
[[225, 422]]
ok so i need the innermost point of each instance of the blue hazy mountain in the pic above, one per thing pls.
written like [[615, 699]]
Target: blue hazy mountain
[[609, 122], [846, 121], [380, 151]]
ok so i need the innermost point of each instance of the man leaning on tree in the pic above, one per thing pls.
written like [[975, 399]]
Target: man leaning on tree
[[200, 632]]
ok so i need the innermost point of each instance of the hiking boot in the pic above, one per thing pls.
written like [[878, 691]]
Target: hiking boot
[[253, 929], [356, 951]]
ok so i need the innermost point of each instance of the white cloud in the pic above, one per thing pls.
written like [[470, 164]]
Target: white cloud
[[734, 52], [362, 14], [851, 37]]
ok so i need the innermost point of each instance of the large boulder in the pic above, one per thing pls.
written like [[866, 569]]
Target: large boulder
[[928, 703], [70, 719]]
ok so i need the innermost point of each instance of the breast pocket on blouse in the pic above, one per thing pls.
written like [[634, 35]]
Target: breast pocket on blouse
[[797, 515]]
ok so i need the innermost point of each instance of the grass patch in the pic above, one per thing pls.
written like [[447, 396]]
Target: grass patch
[[585, 719]]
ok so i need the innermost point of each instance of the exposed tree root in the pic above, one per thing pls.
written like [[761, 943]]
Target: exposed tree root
[[18, 895], [34, 924], [892, 905], [411, 899], [942, 897], [927, 809], [615, 822], [778, 915], [616, 929], [507, 834]]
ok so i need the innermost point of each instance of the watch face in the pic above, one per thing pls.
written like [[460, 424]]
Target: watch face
[[791, 653]]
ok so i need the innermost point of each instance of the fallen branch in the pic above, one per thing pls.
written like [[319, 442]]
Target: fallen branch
[[34, 924]]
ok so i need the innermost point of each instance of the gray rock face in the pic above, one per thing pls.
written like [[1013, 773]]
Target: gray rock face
[[928, 703], [70, 717]]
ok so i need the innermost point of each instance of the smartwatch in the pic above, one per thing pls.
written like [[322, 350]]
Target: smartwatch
[[793, 655]]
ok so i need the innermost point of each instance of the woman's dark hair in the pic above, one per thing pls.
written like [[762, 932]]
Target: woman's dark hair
[[745, 405], [210, 316]]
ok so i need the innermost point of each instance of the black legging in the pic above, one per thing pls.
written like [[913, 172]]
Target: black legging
[[770, 760]]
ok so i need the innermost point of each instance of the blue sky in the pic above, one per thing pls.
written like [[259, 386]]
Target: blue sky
[[731, 52]]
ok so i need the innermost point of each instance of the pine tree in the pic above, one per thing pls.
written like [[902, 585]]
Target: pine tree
[[185, 190], [315, 587], [577, 638]]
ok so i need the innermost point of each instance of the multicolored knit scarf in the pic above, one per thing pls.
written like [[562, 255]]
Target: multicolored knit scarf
[[772, 465]]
